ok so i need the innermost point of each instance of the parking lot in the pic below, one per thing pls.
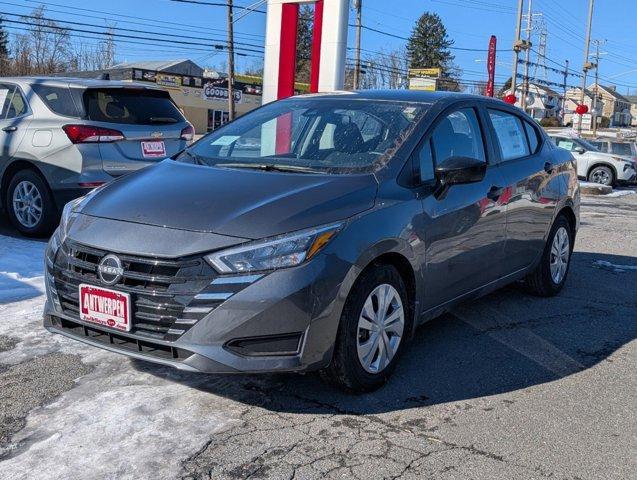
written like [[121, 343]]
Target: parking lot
[[508, 387]]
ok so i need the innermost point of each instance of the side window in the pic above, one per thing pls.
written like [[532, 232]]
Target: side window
[[6, 92], [58, 99], [458, 135], [531, 134], [511, 137], [565, 143], [426, 162]]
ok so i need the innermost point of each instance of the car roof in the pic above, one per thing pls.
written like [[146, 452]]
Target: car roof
[[75, 82], [417, 96]]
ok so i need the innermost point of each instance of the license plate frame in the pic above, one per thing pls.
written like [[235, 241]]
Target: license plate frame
[[153, 148], [101, 312]]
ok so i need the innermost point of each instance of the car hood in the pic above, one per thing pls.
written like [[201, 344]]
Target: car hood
[[237, 202]]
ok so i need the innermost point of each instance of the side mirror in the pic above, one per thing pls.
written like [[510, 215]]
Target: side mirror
[[580, 150], [459, 170]]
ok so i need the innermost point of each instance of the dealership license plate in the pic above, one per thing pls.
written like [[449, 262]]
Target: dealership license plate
[[105, 307], [154, 149]]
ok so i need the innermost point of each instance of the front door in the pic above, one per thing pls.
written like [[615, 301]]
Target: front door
[[465, 228]]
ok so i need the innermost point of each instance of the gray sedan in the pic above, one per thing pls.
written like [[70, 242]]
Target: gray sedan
[[315, 233]]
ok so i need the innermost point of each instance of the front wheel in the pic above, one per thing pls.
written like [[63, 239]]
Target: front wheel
[[549, 276], [375, 321], [603, 175]]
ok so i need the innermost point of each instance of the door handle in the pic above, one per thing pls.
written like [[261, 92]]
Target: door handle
[[548, 167], [494, 193], [9, 129]]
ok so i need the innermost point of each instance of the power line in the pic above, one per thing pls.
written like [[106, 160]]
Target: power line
[[216, 4]]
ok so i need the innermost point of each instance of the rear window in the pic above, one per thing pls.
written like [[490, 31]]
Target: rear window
[[58, 99], [139, 107]]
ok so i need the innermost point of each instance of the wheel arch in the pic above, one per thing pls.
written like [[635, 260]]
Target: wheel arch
[[602, 164], [14, 167]]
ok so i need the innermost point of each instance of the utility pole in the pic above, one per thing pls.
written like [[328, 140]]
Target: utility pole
[[587, 63], [230, 62], [525, 88], [564, 88], [595, 98], [358, 5], [517, 46]]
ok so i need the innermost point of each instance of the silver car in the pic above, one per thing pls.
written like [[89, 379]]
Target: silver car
[[61, 137], [315, 233]]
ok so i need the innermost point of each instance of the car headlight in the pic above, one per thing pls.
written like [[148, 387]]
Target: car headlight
[[71, 211], [281, 252]]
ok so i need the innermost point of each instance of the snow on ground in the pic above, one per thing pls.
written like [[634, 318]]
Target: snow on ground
[[118, 421]]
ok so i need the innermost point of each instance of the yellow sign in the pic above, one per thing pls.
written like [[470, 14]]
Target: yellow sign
[[425, 72], [423, 83], [170, 81]]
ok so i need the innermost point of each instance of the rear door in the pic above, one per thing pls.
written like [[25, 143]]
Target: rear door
[[464, 228], [148, 119], [14, 120], [532, 186]]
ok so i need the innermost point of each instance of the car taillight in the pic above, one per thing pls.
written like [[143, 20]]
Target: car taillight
[[188, 133], [88, 134]]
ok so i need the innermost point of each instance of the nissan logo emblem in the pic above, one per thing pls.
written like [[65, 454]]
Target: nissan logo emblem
[[110, 270]]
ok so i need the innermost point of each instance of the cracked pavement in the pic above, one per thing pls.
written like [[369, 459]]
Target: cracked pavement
[[508, 387]]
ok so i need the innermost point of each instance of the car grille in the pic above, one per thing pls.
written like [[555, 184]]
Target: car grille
[[162, 291]]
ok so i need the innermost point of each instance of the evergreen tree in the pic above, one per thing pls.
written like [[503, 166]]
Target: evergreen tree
[[4, 51], [304, 43], [428, 45]]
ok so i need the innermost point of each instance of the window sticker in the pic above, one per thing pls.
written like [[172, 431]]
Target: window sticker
[[225, 140], [568, 145]]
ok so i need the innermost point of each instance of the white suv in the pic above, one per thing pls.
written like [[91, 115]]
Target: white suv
[[596, 166]]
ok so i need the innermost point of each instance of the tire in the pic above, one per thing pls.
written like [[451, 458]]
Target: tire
[[43, 216], [542, 281], [603, 175], [347, 371]]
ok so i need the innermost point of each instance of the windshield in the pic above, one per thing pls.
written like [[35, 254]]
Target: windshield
[[587, 145], [326, 135]]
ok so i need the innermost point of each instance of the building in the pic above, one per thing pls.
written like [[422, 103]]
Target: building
[[544, 102], [616, 106], [203, 100], [633, 109]]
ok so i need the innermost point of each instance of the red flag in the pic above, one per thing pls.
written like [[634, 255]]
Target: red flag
[[491, 66]]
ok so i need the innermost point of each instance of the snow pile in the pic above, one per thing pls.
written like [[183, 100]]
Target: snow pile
[[21, 269], [604, 265]]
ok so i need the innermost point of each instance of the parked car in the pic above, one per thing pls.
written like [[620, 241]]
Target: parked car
[[596, 166], [608, 145], [359, 217], [61, 138]]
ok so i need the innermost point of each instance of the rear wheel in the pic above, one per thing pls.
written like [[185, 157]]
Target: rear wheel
[[29, 204], [602, 174], [550, 275], [374, 324]]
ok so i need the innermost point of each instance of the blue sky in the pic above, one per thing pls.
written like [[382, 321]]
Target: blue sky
[[469, 23]]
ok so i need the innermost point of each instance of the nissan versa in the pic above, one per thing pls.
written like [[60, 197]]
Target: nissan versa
[[315, 233]]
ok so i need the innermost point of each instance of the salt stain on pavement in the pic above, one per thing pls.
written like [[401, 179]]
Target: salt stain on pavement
[[114, 422]]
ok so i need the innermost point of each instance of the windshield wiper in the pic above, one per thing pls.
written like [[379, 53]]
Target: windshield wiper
[[268, 167], [162, 120]]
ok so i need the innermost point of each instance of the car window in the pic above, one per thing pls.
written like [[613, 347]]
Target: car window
[[426, 162], [340, 135], [6, 92], [131, 106], [531, 134], [565, 143], [510, 134], [58, 99], [458, 135], [601, 146], [622, 148]]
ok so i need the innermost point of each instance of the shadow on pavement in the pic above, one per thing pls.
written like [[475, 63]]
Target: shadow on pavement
[[506, 341]]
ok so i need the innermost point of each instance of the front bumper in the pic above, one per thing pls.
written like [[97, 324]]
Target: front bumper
[[283, 321]]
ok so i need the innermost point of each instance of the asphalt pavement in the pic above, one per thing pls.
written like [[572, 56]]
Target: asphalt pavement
[[508, 387]]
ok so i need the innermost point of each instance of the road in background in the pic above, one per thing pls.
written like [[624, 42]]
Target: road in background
[[508, 387]]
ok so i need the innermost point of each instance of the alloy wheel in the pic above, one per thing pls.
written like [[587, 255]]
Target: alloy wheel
[[560, 252], [601, 175], [27, 204], [380, 328]]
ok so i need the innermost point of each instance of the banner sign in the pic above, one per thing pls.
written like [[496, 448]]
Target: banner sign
[[214, 92], [491, 66], [171, 81]]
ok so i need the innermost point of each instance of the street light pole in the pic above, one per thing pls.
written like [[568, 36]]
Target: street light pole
[[587, 63], [230, 62], [358, 5]]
